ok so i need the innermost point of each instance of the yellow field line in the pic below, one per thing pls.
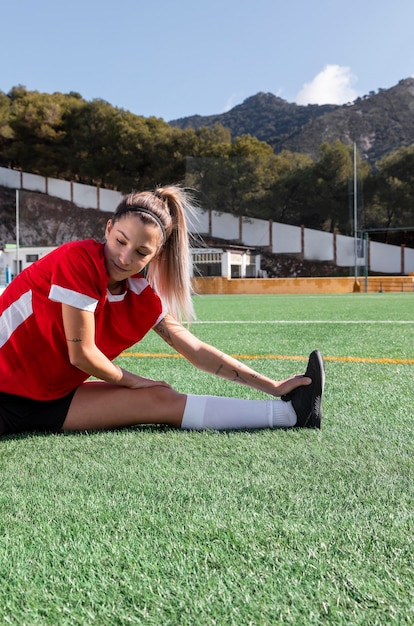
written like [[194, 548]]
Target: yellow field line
[[346, 359]]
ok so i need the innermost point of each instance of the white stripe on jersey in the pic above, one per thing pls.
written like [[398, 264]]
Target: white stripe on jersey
[[137, 285], [73, 298], [160, 317], [15, 315]]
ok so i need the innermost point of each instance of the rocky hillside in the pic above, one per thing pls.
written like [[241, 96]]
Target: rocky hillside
[[380, 122], [47, 221]]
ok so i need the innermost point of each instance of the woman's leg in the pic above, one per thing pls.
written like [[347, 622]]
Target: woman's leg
[[100, 406]]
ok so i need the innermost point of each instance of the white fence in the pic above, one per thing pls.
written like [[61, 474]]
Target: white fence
[[84, 196], [281, 238]]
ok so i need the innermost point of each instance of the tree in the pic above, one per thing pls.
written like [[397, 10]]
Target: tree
[[290, 187], [234, 177], [333, 172], [38, 131], [6, 132], [391, 196]]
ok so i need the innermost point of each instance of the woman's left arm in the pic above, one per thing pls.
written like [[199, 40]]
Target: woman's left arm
[[207, 358]]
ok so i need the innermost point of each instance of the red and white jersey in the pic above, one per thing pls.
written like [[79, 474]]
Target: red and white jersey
[[34, 359]]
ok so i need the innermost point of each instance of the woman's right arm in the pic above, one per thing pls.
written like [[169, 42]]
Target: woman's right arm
[[79, 327]]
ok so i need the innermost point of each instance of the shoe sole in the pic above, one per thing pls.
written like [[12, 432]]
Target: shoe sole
[[315, 417]]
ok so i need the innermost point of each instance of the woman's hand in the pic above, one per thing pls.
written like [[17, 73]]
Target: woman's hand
[[133, 381], [288, 385]]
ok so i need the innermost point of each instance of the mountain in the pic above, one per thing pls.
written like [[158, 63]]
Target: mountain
[[379, 123], [264, 116]]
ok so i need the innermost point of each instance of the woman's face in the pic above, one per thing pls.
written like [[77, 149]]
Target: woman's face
[[130, 246]]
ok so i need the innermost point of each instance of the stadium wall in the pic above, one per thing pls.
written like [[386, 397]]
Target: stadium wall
[[262, 286], [287, 286], [280, 238]]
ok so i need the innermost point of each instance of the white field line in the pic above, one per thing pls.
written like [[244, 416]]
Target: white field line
[[303, 322]]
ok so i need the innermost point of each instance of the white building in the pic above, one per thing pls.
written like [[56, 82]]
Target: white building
[[233, 262], [14, 259]]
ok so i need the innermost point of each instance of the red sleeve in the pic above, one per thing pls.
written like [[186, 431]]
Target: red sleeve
[[78, 277]]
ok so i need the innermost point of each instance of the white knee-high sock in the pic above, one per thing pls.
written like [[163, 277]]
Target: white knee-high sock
[[217, 413]]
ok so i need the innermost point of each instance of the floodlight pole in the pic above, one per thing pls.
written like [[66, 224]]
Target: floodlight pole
[[17, 230], [357, 286]]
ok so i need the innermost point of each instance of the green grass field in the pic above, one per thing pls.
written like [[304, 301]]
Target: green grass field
[[157, 526]]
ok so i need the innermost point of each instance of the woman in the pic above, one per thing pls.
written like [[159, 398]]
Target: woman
[[67, 316]]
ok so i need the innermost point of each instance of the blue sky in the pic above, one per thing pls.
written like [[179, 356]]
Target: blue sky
[[175, 58]]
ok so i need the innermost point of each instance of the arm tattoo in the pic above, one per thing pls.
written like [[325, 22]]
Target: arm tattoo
[[238, 379], [76, 340], [244, 380], [163, 332]]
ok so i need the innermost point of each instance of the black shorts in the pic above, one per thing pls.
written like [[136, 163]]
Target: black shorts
[[18, 414]]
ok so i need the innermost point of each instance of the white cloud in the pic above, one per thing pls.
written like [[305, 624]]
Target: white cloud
[[334, 85], [233, 101]]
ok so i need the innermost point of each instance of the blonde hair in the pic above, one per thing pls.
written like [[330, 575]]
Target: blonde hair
[[169, 271]]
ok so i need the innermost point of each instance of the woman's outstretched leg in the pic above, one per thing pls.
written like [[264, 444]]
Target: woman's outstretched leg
[[100, 406]]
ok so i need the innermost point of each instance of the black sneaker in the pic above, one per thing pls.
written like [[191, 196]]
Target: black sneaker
[[307, 400]]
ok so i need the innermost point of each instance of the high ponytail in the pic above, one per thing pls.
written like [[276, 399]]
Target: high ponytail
[[169, 272]]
